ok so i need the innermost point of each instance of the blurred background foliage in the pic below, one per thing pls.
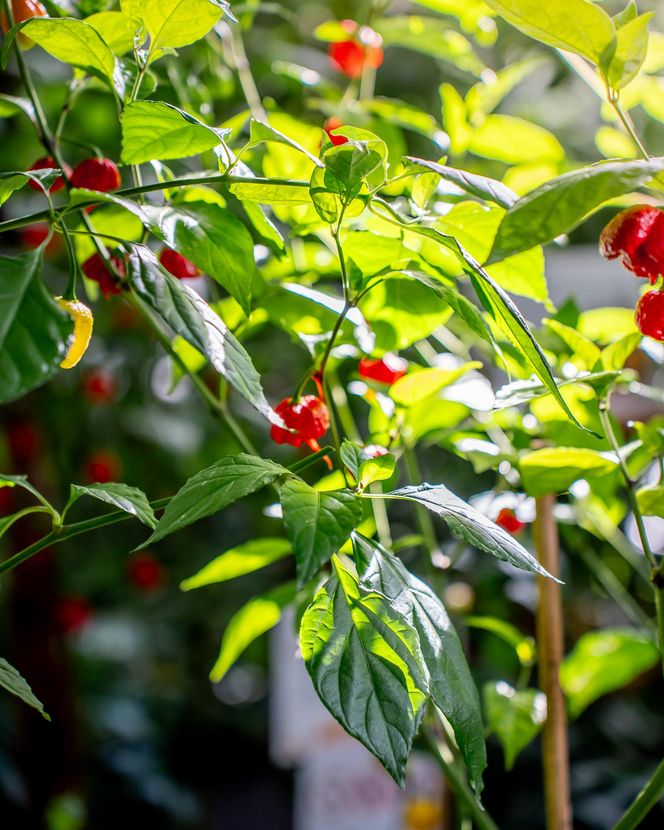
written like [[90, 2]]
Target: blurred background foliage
[[117, 652]]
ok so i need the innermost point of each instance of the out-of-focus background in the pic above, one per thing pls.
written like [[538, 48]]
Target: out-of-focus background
[[117, 652]]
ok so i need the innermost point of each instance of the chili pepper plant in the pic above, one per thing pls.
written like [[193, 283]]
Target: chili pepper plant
[[382, 252]]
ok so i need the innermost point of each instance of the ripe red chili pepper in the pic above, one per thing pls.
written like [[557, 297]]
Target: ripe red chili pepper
[[100, 387], [649, 315], [507, 519], [335, 124], [96, 174], [309, 416], [44, 164], [32, 236], [363, 47], [102, 467], [636, 236], [386, 370], [179, 266], [73, 613], [146, 572], [95, 269]]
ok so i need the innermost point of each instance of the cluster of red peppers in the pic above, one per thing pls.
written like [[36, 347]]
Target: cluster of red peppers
[[636, 237]]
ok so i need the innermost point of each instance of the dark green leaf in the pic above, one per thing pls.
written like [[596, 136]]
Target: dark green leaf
[[34, 330], [214, 488], [558, 206], [317, 523], [451, 684], [12, 681], [365, 663], [467, 523], [484, 188], [212, 238], [130, 499], [193, 319]]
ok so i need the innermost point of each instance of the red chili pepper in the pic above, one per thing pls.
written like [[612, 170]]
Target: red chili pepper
[[97, 174], [23, 10], [32, 236], [95, 269], [44, 164], [102, 467], [146, 572], [363, 47], [73, 613], [335, 124], [178, 265], [100, 387], [508, 521], [635, 236], [309, 416], [649, 315], [386, 370]]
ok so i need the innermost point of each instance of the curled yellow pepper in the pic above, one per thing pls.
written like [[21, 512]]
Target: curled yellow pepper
[[82, 317]]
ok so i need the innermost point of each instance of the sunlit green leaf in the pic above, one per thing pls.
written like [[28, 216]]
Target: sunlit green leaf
[[515, 715], [555, 469], [238, 561]]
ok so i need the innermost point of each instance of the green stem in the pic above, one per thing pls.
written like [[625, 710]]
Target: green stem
[[627, 123], [644, 802], [61, 534], [457, 782], [224, 179]]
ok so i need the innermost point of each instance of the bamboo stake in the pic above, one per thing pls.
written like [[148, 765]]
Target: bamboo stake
[[555, 754]]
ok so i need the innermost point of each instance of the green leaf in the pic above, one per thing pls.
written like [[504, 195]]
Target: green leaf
[[34, 330], [238, 561], [317, 524], [352, 163], [625, 63], [514, 141], [430, 37], [516, 716], [192, 318], [575, 25], [175, 23], [271, 193], [615, 355], [467, 523], [130, 499], [417, 386], [451, 684], [651, 500], [10, 182], [484, 188], [603, 661], [259, 615], [115, 30], [76, 43], [376, 469], [558, 206], [214, 488], [583, 350], [525, 391], [555, 469], [212, 238], [157, 130], [366, 665], [15, 684], [260, 132]]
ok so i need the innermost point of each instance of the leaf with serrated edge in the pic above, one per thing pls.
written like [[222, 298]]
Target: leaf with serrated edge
[[467, 523], [366, 665], [130, 499], [317, 523], [214, 488], [451, 684]]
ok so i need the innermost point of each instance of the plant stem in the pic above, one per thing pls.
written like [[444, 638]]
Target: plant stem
[[456, 780], [424, 519], [644, 802], [627, 123], [61, 534], [225, 179], [656, 576], [555, 753]]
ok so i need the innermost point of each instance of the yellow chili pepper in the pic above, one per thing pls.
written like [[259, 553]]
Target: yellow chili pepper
[[82, 317]]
